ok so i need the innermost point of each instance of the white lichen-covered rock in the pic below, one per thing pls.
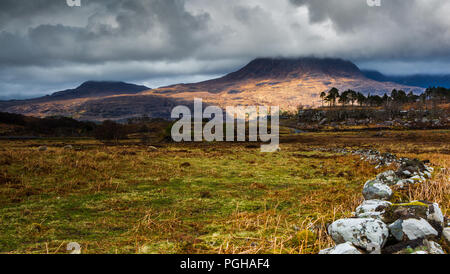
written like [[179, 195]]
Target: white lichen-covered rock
[[435, 214], [407, 172], [417, 228], [376, 190], [345, 248], [405, 182], [371, 209], [388, 177], [361, 232]]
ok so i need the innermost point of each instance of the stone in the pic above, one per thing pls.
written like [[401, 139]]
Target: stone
[[42, 148], [415, 229], [435, 214], [396, 230], [361, 232], [323, 121], [372, 209], [415, 209], [403, 183], [375, 189], [345, 248], [68, 147], [420, 252], [406, 172], [388, 177]]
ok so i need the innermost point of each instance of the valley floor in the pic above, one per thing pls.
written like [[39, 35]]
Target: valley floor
[[196, 197]]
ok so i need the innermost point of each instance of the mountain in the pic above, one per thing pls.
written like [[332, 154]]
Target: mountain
[[419, 80], [60, 102], [283, 68], [95, 89], [284, 82]]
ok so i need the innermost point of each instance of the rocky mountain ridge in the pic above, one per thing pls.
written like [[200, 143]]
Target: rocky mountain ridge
[[283, 82]]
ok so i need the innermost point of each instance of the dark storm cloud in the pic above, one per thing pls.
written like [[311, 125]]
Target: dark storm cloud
[[398, 29], [46, 45], [121, 30]]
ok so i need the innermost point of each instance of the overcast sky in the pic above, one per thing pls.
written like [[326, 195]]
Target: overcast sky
[[47, 46]]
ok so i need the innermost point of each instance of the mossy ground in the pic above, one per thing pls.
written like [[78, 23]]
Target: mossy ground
[[191, 197]]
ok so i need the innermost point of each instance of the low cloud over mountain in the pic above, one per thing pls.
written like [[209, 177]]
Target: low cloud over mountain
[[47, 45]]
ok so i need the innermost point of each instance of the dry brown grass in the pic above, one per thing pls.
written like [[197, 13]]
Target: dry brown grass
[[196, 198]]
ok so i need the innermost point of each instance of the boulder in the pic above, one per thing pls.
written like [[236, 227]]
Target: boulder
[[372, 209], [411, 229], [406, 172], [42, 148], [362, 232], [404, 182], [388, 177], [345, 248], [375, 189], [415, 209]]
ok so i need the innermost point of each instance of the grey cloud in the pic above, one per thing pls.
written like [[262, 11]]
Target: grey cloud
[[140, 29], [44, 43]]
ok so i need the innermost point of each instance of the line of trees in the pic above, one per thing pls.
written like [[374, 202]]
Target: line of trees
[[49, 126], [399, 97]]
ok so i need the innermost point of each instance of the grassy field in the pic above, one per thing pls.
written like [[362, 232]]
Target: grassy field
[[196, 197]]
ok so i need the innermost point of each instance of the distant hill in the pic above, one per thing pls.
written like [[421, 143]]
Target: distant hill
[[284, 82], [58, 102], [94, 89], [419, 80], [86, 90]]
